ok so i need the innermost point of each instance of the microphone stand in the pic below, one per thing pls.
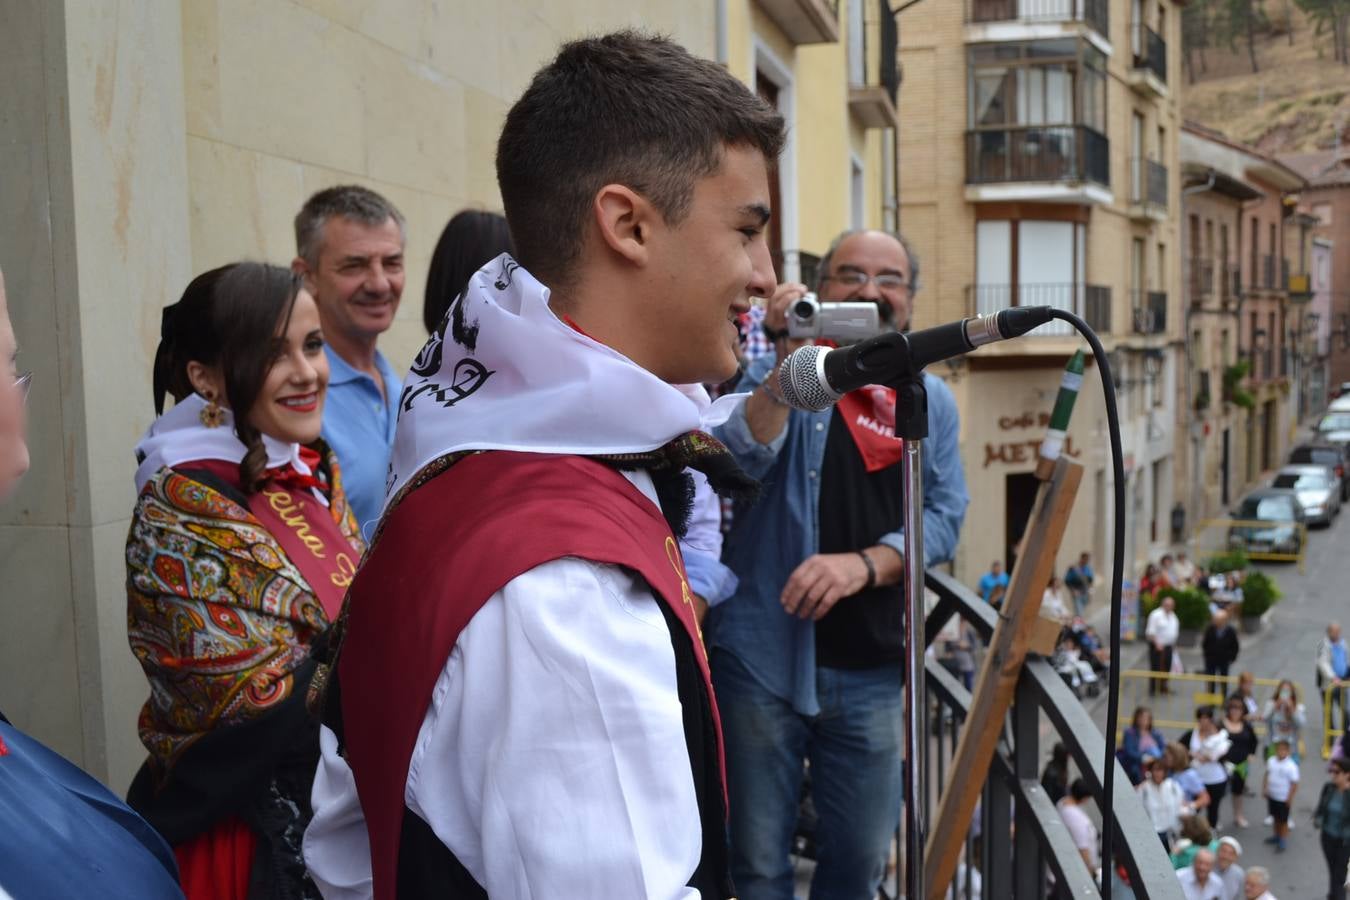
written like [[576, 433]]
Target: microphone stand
[[911, 427]]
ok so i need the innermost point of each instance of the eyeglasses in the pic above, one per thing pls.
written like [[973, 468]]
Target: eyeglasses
[[884, 282], [22, 383]]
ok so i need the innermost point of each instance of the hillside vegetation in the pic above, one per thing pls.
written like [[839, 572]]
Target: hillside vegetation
[[1298, 99]]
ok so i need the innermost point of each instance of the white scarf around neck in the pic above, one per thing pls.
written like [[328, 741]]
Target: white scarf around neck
[[521, 379]]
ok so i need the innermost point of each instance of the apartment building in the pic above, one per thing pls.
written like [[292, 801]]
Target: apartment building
[[1038, 167], [1327, 199], [1251, 338]]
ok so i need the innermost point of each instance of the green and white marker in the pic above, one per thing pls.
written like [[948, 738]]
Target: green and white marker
[[1069, 386]]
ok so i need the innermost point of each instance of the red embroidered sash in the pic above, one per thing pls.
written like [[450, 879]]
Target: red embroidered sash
[[312, 541], [443, 552], [869, 414]]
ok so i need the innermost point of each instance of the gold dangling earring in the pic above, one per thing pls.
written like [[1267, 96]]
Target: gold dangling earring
[[212, 415]]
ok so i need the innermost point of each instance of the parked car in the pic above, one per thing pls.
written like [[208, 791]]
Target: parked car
[[1277, 506], [1334, 428], [1329, 455], [1318, 490], [1341, 389], [1340, 404]]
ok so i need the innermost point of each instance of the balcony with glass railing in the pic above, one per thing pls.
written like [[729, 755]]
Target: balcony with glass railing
[[1090, 301]]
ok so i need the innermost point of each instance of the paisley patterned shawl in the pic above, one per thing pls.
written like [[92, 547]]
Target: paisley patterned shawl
[[217, 614]]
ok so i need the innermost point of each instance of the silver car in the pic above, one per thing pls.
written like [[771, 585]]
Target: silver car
[[1318, 490]]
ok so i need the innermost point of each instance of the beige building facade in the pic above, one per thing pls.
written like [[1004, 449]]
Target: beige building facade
[[1039, 168], [149, 140]]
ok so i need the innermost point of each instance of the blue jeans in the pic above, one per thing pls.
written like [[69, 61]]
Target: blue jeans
[[855, 748]]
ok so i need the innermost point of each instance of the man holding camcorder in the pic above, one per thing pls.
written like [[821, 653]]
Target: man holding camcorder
[[807, 656]]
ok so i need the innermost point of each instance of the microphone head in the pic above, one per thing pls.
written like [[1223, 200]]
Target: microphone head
[[801, 380]]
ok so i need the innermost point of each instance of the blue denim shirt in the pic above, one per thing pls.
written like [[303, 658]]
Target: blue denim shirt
[[771, 538], [358, 424]]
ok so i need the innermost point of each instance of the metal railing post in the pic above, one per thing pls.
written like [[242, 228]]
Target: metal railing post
[[1027, 879]]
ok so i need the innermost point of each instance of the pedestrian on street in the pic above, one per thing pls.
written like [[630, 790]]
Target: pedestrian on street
[[1333, 818], [1079, 579], [1242, 745], [1280, 786], [1198, 881], [995, 577], [1227, 868], [1163, 800], [1141, 739], [1054, 601], [1285, 717], [1209, 744], [1246, 692], [1333, 670], [1257, 884], [1081, 829], [1220, 646], [1162, 630]]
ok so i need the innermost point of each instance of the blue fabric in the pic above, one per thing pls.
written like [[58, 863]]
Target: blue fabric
[[989, 581], [1131, 756], [1339, 664], [358, 423], [708, 578], [66, 835], [769, 539], [1190, 783], [855, 750]]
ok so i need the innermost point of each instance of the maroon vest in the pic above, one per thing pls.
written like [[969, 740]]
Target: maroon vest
[[443, 552]]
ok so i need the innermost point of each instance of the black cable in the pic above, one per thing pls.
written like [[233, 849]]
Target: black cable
[[1117, 574]]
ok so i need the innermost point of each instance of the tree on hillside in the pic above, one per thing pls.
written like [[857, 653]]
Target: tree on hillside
[[1195, 29], [1240, 19], [1333, 16]]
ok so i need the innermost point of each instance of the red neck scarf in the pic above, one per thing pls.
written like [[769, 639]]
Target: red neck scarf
[[869, 414]]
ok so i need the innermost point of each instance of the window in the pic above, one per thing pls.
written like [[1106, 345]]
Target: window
[[1256, 252], [1323, 212], [1060, 82], [856, 191], [1028, 262]]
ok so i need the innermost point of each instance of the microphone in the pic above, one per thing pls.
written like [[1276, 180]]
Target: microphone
[[813, 378]]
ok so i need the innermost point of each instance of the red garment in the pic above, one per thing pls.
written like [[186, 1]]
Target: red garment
[[869, 414], [215, 865], [445, 549]]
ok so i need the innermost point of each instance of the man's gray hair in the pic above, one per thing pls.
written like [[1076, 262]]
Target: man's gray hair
[[350, 201], [823, 270], [1259, 872]]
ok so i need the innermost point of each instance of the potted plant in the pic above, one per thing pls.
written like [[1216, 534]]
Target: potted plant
[[1234, 560], [1233, 391], [1259, 594]]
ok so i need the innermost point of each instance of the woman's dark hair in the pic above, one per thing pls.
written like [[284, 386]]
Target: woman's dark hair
[[471, 239], [228, 318], [1139, 711], [1342, 765], [1080, 790], [1204, 712]]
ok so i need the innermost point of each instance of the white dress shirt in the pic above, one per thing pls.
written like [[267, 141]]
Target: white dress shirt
[[552, 760], [1162, 627]]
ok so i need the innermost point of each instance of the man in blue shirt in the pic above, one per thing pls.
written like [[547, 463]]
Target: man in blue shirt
[[349, 248], [1079, 579], [807, 654], [995, 577], [1333, 670]]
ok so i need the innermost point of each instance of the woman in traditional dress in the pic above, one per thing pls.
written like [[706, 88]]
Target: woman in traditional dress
[[240, 550]]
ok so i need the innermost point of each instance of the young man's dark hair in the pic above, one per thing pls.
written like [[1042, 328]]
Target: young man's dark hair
[[1080, 790], [626, 108]]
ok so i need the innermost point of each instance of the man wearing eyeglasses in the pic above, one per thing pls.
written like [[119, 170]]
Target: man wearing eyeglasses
[[807, 658]]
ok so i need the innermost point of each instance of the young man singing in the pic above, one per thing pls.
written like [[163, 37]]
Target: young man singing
[[520, 705]]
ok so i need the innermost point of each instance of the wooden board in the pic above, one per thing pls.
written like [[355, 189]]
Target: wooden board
[[1015, 634]]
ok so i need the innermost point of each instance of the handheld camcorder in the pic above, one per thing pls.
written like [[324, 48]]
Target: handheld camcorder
[[844, 322]]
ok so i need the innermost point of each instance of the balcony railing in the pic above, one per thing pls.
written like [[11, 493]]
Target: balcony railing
[[1065, 153], [1268, 272], [1149, 51], [1097, 308], [1080, 299], [1092, 12], [1201, 280], [1149, 312], [1017, 866], [1231, 288], [1148, 183], [875, 82]]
